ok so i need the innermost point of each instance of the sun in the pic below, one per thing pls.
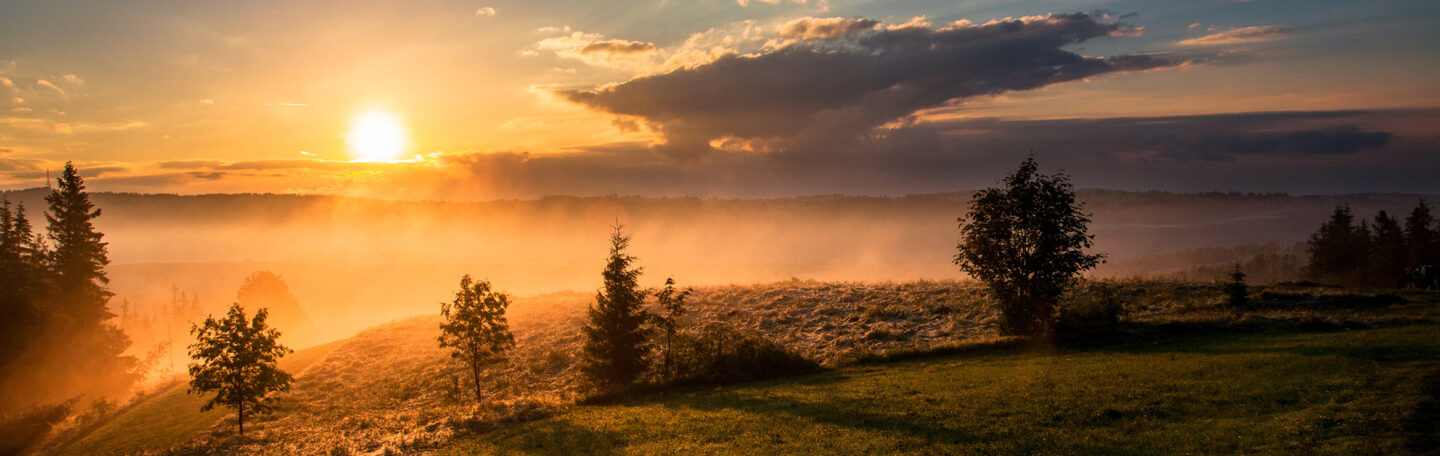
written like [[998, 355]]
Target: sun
[[377, 136]]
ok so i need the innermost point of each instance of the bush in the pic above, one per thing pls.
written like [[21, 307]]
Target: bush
[[720, 353], [19, 432], [1095, 306]]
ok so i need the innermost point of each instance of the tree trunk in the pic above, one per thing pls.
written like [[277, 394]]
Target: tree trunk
[[475, 369], [240, 412]]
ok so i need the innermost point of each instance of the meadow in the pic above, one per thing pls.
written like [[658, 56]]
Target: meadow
[[1150, 367]]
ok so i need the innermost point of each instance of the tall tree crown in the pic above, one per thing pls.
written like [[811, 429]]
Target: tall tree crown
[[615, 335], [1026, 242]]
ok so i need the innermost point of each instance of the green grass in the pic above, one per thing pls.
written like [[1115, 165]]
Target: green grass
[[1219, 392], [168, 418]]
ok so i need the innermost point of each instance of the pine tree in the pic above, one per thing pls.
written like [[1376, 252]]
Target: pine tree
[[1388, 255], [1237, 292], [236, 358], [475, 328], [80, 256], [616, 336], [1422, 237], [1338, 250], [23, 282]]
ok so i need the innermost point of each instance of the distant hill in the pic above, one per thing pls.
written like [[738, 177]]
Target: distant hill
[[354, 262]]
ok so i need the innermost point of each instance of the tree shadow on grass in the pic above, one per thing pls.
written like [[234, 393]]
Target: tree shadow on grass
[[1224, 338], [555, 436]]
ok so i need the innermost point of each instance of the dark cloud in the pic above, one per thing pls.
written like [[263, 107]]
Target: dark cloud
[[1298, 152], [811, 28], [1227, 146], [827, 88], [622, 47]]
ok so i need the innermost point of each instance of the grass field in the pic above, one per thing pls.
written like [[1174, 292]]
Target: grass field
[[1370, 391], [1308, 370], [169, 418]]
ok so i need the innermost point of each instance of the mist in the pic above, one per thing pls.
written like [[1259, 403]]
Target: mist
[[352, 263]]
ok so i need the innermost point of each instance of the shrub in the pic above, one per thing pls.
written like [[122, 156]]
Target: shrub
[[19, 432], [1095, 306], [720, 353]]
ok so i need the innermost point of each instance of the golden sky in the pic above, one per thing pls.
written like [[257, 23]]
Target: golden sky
[[481, 100]]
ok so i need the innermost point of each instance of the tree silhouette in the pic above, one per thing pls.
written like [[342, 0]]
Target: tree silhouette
[[672, 307], [266, 289], [475, 328], [1422, 237], [1026, 242], [80, 256], [615, 336], [1338, 250], [23, 282], [237, 359]]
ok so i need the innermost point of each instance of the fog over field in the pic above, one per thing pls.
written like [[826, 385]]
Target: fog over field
[[353, 263]]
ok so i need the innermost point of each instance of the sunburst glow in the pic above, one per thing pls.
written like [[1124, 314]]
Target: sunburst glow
[[377, 136]]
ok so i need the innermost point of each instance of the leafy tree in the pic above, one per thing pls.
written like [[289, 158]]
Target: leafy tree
[[672, 307], [1027, 243], [615, 336], [1338, 250], [236, 358], [266, 289], [475, 327]]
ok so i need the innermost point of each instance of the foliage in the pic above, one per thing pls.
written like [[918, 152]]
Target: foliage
[[20, 431], [1027, 243], [1236, 292], [1372, 255], [1422, 236], [1092, 305], [720, 353], [53, 305], [615, 335], [236, 359], [672, 307], [1210, 393], [475, 328], [265, 289]]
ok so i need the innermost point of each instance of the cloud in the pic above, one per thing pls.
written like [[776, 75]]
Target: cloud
[[617, 47], [1251, 34], [4, 81], [485, 11], [51, 86], [72, 79], [595, 49], [815, 90], [809, 28]]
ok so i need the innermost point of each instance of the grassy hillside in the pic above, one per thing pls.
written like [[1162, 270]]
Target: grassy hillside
[[1226, 392], [171, 417], [1177, 363]]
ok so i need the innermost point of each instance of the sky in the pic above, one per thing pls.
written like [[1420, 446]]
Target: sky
[[479, 100]]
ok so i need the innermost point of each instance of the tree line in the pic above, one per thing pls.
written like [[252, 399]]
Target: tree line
[[1381, 252], [57, 342]]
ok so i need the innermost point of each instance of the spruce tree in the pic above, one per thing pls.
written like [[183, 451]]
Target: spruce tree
[[1422, 237], [616, 335], [80, 256]]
